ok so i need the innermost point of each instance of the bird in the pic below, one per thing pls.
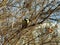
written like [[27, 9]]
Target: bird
[[25, 23]]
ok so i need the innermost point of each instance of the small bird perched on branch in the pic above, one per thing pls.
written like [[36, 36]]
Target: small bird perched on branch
[[25, 22]]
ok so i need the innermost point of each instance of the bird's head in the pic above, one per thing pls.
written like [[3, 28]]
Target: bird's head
[[27, 20]]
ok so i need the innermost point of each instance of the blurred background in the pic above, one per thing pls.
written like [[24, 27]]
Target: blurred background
[[29, 22]]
